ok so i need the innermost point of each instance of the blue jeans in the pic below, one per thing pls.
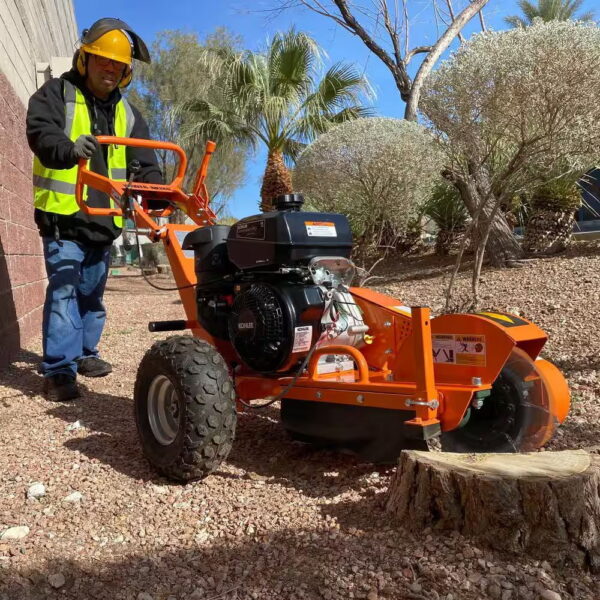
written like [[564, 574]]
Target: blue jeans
[[74, 314]]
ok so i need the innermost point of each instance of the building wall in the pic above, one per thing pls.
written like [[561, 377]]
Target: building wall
[[34, 34]]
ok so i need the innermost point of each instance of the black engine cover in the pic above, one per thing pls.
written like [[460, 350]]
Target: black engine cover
[[287, 238], [272, 326]]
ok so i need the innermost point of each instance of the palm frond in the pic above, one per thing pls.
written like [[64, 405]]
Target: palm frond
[[350, 113], [341, 84], [277, 98], [220, 131], [549, 10], [515, 21], [244, 78], [312, 124], [529, 10], [590, 15], [291, 150], [292, 60]]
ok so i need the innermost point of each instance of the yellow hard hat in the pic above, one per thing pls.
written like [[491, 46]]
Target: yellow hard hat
[[114, 44]]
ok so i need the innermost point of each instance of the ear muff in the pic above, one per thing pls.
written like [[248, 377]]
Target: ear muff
[[127, 76], [79, 60]]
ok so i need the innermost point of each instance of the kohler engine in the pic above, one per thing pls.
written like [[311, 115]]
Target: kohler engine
[[276, 285]]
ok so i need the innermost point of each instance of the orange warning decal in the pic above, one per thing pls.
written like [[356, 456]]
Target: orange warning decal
[[320, 229]]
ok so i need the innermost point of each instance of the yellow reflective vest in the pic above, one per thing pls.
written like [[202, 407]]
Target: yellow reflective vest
[[54, 189]]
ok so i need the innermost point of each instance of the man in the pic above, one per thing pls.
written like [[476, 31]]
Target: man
[[63, 118]]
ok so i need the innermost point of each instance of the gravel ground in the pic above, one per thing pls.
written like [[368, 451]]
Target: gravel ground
[[279, 520]]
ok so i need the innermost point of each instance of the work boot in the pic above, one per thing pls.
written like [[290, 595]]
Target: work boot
[[60, 387], [92, 366]]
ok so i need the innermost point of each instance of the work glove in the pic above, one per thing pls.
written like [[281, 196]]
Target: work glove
[[85, 146]]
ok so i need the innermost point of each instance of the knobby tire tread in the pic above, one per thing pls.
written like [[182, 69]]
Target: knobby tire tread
[[207, 396]]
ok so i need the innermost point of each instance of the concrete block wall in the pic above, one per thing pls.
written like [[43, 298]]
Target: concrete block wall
[[22, 278], [31, 32]]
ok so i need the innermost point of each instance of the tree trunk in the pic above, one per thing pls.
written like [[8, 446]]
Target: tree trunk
[[502, 245], [544, 504], [276, 181]]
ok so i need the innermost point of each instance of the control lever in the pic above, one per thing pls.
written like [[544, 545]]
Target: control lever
[[126, 199]]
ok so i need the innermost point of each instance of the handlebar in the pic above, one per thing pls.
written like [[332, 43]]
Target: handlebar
[[195, 204], [153, 144]]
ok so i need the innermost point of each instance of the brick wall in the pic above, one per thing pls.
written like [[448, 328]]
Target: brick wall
[[34, 36], [22, 277]]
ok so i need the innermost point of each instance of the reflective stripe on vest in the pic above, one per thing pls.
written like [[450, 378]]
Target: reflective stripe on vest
[[54, 189]]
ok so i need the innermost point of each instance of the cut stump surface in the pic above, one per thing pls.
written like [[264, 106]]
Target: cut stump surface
[[544, 504]]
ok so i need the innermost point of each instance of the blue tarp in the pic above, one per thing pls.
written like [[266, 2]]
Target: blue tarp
[[590, 192]]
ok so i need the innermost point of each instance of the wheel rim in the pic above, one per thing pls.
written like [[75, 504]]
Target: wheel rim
[[498, 421], [163, 410], [516, 417]]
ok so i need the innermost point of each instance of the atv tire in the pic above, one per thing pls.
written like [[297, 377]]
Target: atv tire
[[184, 408]]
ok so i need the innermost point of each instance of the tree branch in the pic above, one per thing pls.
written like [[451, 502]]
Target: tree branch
[[406, 36], [482, 21], [398, 71], [441, 45], [410, 90], [418, 50], [461, 37], [391, 31]]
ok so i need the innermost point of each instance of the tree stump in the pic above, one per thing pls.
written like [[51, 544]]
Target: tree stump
[[545, 505]]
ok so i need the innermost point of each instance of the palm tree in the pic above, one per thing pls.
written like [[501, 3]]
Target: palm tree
[[276, 99], [549, 10], [447, 210]]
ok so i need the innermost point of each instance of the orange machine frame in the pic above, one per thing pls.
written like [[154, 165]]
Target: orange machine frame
[[396, 371]]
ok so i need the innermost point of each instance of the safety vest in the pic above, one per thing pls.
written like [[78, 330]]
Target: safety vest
[[54, 189]]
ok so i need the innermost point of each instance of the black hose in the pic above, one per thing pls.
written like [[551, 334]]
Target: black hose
[[150, 283], [289, 386]]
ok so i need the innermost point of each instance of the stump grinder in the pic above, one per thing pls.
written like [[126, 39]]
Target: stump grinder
[[273, 316]]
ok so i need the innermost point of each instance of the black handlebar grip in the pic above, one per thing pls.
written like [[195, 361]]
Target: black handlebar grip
[[134, 166], [167, 325]]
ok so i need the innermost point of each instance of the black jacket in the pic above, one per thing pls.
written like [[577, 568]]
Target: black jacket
[[47, 140]]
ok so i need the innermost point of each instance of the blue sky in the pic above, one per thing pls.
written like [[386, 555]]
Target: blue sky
[[147, 17]]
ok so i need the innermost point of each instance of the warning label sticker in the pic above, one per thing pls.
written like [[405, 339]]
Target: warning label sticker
[[455, 349], [320, 229], [470, 350], [443, 348], [302, 338]]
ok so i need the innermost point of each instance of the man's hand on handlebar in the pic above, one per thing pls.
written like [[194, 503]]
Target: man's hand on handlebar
[[85, 146]]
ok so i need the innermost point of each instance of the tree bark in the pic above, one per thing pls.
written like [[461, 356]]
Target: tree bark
[[548, 231], [543, 504], [276, 181], [502, 245]]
